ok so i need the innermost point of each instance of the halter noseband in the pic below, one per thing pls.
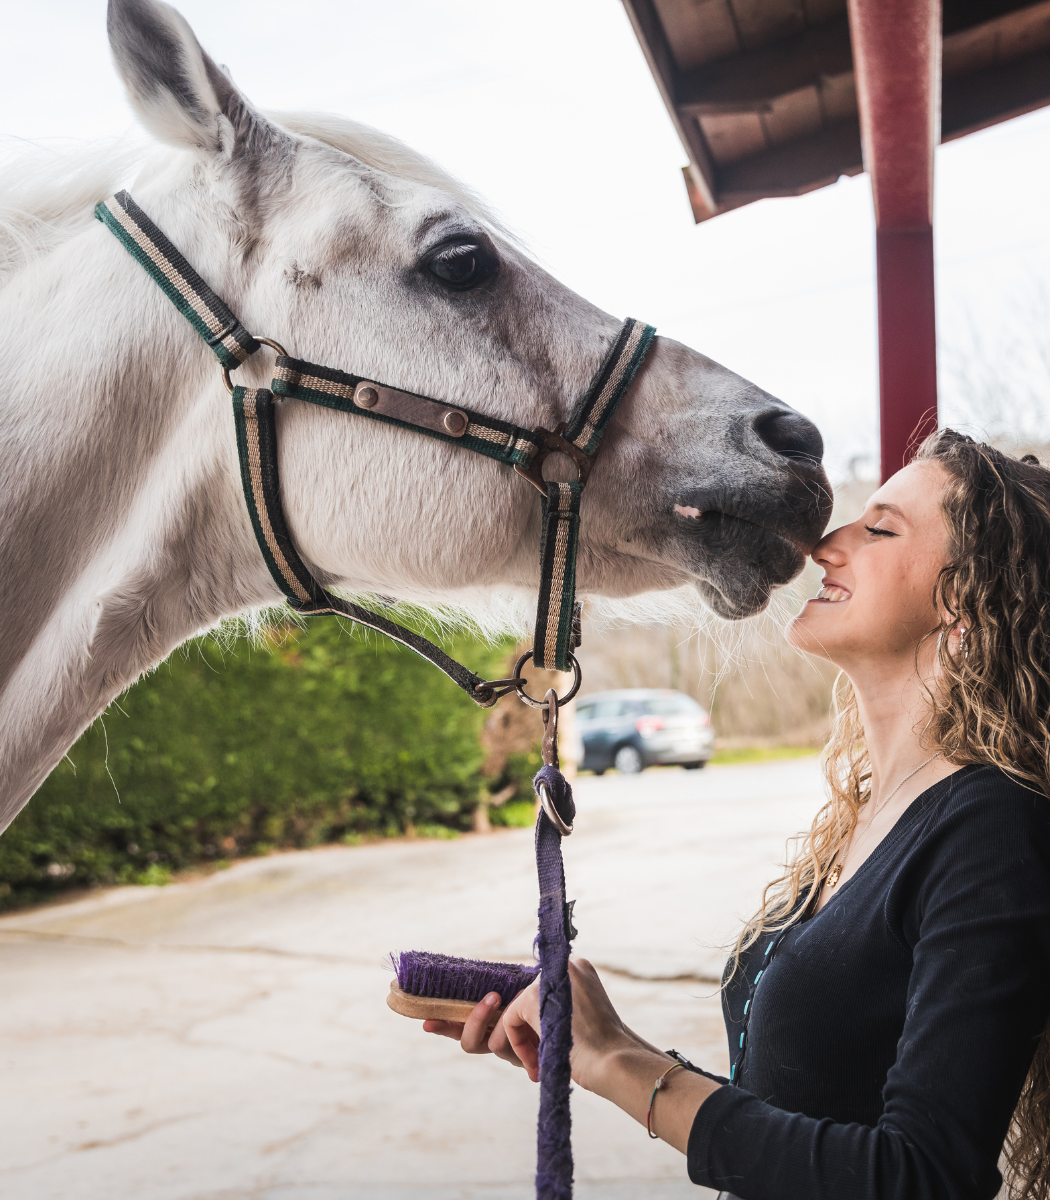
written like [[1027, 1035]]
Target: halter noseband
[[557, 616]]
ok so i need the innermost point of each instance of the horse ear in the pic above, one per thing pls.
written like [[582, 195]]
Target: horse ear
[[179, 93]]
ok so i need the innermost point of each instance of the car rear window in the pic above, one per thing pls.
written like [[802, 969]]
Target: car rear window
[[672, 706]]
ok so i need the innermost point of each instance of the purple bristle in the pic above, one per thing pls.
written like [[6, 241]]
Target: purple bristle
[[443, 977]]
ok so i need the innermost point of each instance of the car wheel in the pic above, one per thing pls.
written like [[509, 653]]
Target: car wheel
[[628, 760], [695, 766], [599, 771]]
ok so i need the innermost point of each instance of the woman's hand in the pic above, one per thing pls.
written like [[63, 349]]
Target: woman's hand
[[607, 1057], [597, 1031], [477, 1034]]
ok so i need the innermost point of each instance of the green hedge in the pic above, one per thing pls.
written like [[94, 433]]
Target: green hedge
[[319, 735]]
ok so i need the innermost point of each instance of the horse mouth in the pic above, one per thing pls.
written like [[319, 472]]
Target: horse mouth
[[741, 560]]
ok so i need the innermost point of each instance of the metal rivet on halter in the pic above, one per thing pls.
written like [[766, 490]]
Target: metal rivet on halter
[[366, 397], [262, 341]]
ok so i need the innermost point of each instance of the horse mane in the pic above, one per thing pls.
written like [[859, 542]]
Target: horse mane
[[48, 192]]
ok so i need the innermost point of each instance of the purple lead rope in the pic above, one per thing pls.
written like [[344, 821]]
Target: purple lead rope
[[554, 1130]]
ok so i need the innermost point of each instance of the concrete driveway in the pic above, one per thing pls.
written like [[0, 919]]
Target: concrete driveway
[[228, 1038]]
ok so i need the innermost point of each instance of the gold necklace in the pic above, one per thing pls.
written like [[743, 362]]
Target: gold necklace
[[835, 874]]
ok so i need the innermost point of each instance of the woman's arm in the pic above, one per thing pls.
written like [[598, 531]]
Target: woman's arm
[[609, 1059]]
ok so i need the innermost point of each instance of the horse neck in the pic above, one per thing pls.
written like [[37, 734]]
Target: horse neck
[[122, 530]]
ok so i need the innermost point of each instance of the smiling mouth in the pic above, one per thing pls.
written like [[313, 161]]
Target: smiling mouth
[[831, 594]]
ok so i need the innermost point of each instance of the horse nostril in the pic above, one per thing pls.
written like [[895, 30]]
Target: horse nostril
[[791, 435]]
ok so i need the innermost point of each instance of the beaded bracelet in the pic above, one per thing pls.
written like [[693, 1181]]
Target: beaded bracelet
[[660, 1083]]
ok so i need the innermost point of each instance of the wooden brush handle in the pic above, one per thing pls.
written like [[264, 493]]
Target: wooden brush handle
[[429, 1008]]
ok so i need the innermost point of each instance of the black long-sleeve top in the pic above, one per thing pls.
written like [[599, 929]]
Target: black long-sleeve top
[[888, 1036]]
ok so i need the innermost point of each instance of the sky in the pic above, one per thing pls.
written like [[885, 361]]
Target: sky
[[549, 111]]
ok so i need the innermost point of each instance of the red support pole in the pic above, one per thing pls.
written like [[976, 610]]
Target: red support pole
[[897, 55], [907, 343]]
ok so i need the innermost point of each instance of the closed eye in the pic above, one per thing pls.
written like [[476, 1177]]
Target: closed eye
[[880, 532]]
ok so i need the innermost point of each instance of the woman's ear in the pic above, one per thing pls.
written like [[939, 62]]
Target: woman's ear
[[178, 92], [956, 641]]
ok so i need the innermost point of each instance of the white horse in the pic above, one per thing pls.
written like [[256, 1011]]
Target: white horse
[[123, 530]]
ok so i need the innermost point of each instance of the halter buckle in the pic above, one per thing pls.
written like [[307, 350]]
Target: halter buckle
[[554, 443]]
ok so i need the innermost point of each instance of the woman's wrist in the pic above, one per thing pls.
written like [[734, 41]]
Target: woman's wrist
[[627, 1074], [630, 1062]]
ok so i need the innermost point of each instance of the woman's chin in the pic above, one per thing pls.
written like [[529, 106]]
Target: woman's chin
[[806, 631]]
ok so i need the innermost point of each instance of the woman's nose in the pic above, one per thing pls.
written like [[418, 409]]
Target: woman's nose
[[829, 551]]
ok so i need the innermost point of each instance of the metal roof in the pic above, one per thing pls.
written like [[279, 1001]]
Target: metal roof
[[763, 97]]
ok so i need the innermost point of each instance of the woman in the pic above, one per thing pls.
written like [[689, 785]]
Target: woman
[[887, 1006]]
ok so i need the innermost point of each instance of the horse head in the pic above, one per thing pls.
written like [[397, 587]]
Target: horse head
[[378, 261]]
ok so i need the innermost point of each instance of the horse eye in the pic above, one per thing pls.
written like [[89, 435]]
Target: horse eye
[[457, 265]]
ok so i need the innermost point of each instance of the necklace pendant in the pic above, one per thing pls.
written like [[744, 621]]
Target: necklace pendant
[[834, 875]]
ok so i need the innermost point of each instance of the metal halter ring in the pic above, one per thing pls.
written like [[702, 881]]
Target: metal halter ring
[[519, 683], [263, 341], [547, 804]]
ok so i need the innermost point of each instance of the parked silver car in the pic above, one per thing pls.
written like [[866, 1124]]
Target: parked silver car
[[636, 728]]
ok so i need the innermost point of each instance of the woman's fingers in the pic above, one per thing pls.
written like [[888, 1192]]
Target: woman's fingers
[[499, 1044], [521, 1022], [591, 1007], [478, 1035], [478, 1026], [597, 1029], [449, 1029], [473, 1033]]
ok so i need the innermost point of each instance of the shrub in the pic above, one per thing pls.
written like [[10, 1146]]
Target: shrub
[[518, 814], [319, 735]]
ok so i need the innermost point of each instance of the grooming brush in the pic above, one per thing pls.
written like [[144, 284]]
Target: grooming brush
[[438, 987]]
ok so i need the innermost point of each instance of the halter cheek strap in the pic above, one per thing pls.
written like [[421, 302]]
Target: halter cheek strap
[[557, 618]]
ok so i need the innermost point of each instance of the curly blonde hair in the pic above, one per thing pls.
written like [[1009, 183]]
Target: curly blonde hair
[[989, 705]]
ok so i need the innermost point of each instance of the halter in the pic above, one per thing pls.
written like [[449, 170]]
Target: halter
[[557, 615]]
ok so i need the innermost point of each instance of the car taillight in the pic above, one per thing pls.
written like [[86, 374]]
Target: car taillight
[[647, 726]]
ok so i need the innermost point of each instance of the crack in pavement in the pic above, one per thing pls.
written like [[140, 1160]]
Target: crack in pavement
[[133, 1135], [679, 977], [84, 939], [99, 1144]]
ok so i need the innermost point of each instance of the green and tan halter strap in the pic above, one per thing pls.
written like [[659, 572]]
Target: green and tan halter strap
[[557, 617]]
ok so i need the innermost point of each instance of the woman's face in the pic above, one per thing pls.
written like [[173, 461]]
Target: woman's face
[[879, 575]]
